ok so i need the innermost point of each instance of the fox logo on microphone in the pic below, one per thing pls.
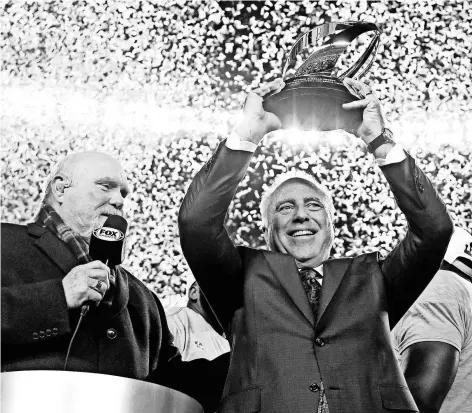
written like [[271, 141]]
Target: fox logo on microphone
[[108, 234]]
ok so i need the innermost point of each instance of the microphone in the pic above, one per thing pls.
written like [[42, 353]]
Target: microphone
[[106, 244]]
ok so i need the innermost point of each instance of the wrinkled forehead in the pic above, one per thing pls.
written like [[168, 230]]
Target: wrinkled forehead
[[296, 188], [100, 166]]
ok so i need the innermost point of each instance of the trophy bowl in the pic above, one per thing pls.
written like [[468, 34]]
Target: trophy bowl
[[314, 103], [313, 98]]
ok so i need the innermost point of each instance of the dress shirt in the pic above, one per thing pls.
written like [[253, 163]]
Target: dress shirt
[[320, 270]]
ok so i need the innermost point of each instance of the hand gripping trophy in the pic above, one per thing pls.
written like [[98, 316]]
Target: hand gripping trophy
[[312, 98]]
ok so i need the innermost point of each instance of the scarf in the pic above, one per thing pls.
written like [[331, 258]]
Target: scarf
[[49, 218]]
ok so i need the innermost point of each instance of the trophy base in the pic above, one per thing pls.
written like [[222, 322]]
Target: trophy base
[[314, 103]]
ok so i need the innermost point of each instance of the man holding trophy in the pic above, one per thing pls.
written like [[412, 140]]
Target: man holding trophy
[[309, 333]]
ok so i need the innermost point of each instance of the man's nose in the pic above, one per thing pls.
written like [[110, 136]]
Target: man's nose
[[117, 201], [301, 214]]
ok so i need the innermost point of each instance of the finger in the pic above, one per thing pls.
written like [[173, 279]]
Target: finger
[[93, 295], [107, 282], [280, 87], [275, 86], [95, 264], [269, 87], [98, 275], [357, 104], [103, 279], [357, 88], [253, 96], [354, 82], [98, 286], [253, 104], [353, 88]]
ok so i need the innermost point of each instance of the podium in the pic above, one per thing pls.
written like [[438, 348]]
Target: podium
[[75, 392]]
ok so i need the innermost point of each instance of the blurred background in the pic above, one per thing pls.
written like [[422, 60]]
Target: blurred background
[[159, 83]]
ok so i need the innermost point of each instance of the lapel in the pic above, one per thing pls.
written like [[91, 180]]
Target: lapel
[[285, 269], [53, 247], [333, 273], [120, 301]]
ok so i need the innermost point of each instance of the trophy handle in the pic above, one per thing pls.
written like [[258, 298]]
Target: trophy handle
[[369, 54], [341, 34]]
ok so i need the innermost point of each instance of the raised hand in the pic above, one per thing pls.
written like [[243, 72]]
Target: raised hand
[[372, 120], [256, 122]]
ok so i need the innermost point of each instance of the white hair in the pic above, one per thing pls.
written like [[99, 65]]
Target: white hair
[[67, 169], [297, 175], [60, 169]]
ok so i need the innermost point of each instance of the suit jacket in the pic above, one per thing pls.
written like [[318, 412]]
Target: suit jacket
[[131, 339], [279, 352]]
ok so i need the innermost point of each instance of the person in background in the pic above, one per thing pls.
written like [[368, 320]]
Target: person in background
[[196, 331], [434, 338]]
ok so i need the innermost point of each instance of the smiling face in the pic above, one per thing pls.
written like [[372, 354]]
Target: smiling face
[[299, 223], [92, 186]]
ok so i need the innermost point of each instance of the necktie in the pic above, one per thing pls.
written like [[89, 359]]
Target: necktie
[[309, 277], [312, 287]]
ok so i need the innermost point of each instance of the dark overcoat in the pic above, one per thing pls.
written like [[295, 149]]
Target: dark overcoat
[[130, 339]]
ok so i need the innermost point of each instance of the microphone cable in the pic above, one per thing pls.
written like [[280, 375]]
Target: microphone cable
[[83, 312]]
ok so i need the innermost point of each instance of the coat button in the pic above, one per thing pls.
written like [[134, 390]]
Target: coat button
[[421, 187], [35, 336], [319, 342], [42, 334], [111, 333], [48, 332], [314, 387], [54, 331]]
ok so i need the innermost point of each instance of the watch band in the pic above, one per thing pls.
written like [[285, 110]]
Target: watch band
[[384, 137]]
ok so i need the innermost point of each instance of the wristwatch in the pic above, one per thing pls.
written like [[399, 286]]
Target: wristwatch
[[384, 137]]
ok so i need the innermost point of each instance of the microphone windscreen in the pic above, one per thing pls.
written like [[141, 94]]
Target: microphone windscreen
[[106, 243]]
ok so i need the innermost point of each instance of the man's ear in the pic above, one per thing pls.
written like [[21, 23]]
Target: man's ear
[[265, 234], [58, 186], [193, 293]]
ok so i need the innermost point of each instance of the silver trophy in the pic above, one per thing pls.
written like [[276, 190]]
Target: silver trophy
[[312, 98]]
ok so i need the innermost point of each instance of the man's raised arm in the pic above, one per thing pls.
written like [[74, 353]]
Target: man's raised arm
[[210, 253], [412, 264]]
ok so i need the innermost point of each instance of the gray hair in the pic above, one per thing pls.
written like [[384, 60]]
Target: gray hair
[[62, 169], [298, 175]]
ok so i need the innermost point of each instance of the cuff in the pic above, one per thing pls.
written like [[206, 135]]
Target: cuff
[[235, 143], [396, 154]]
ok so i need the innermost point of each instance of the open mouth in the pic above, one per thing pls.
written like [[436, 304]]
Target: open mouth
[[107, 214], [302, 233]]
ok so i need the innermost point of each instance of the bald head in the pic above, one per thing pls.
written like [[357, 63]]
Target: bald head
[[84, 188]]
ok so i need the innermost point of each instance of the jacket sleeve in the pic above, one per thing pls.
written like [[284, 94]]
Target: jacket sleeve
[[200, 379], [209, 251], [410, 266], [34, 313]]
